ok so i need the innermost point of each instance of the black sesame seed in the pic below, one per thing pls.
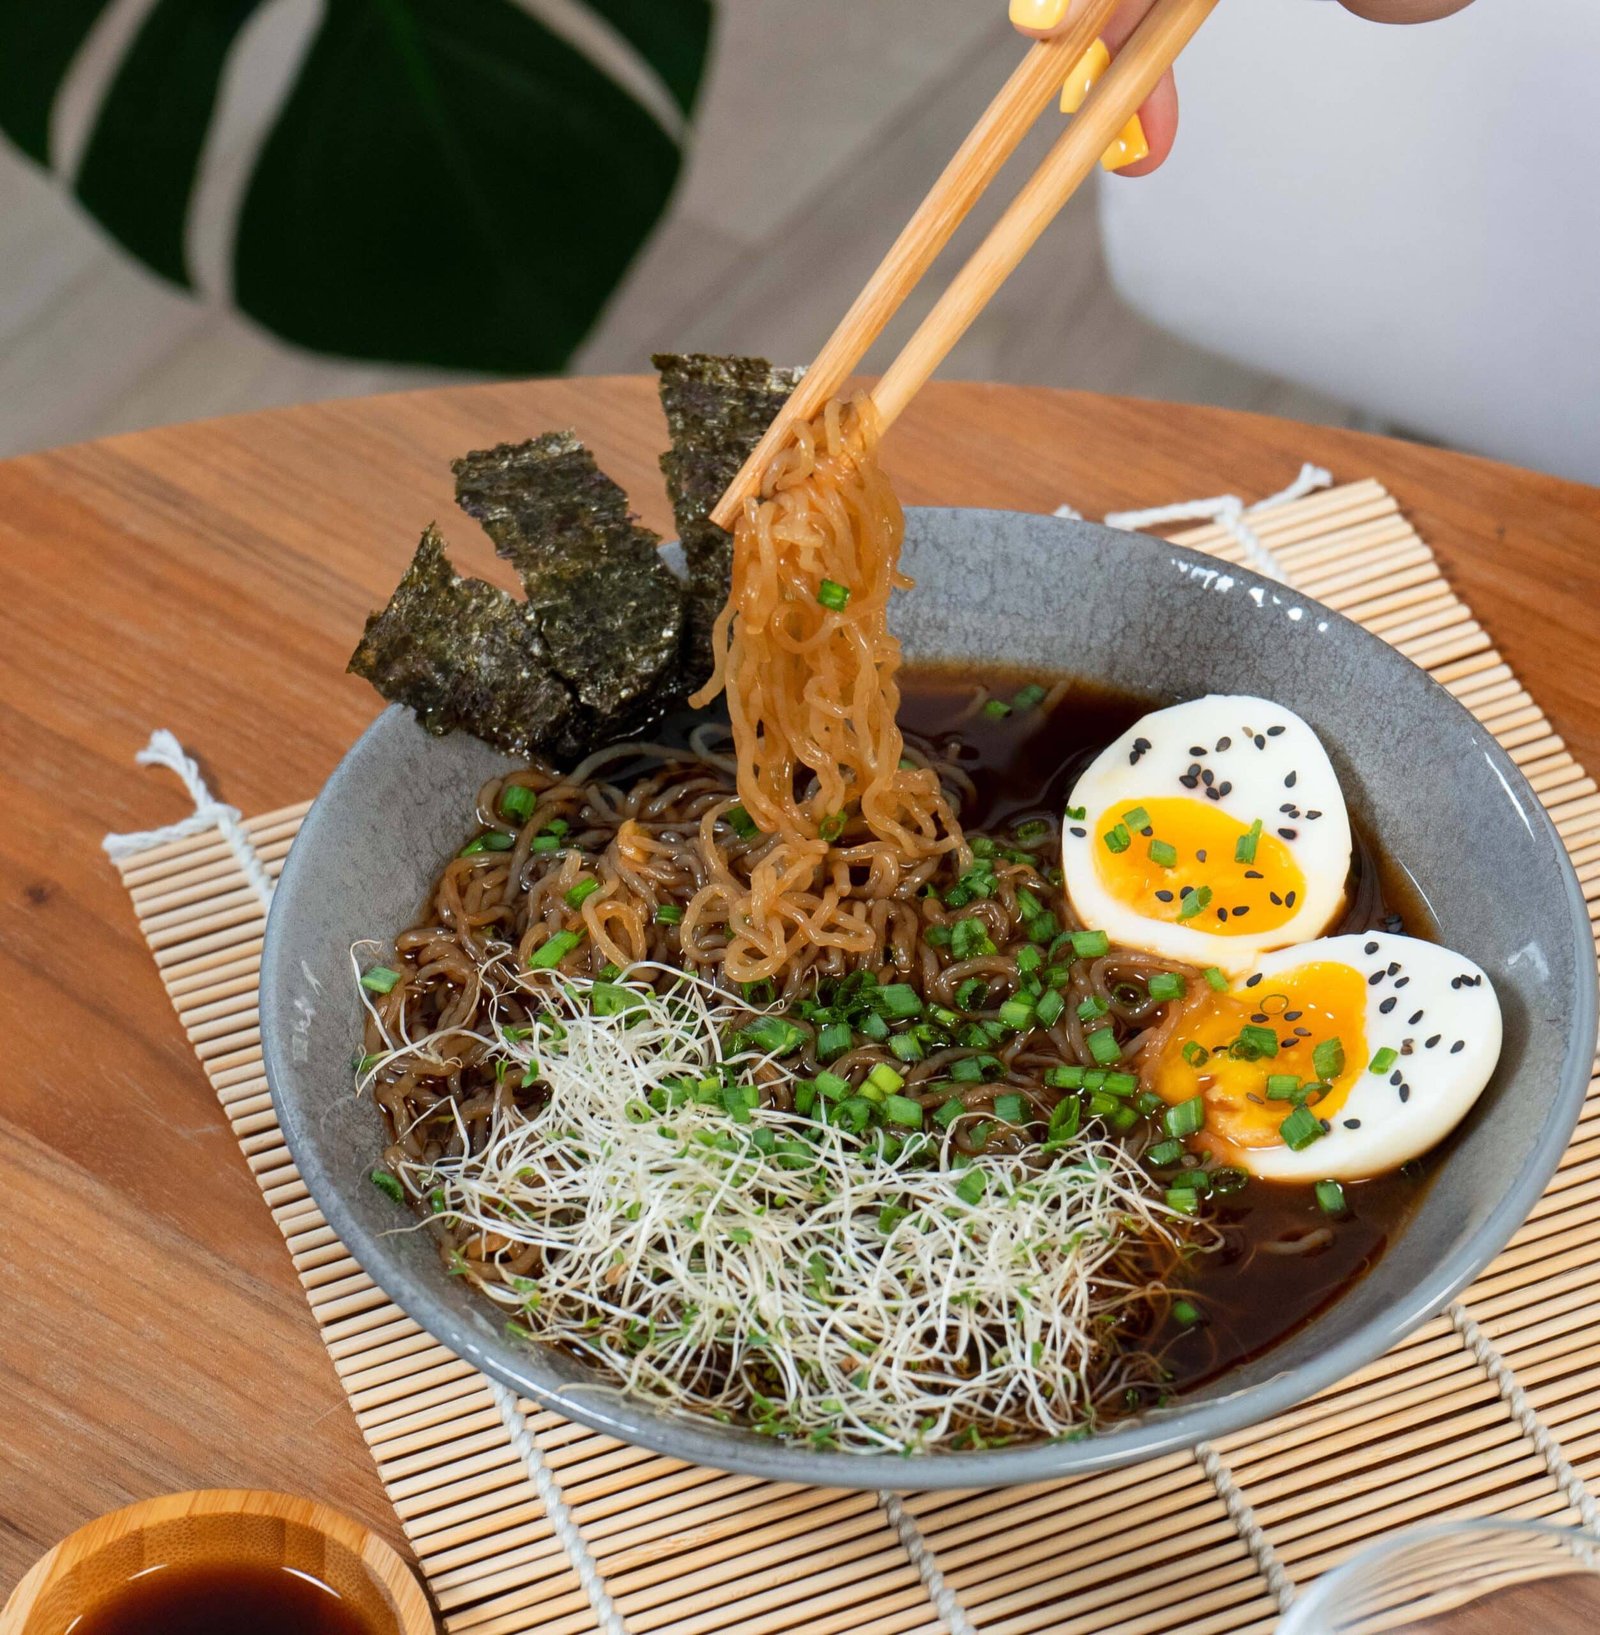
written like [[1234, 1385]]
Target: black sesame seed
[[1147, 831], [1163, 896], [1254, 874], [1213, 794], [1187, 781], [1197, 749], [1286, 834], [1393, 922], [1401, 981], [1369, 948], [1388, 1005], [1429, 1043], [1291, 780], [1405, 1092], [1201, 856], [1261, 742], [1375, 979], [1080, 833], [1413, 1019], [1289, 900], [1224, 788], [1326, 1126], [1253, 981], [1313, 815], [1293, 1016], [1458, 1047], [1208, 776], [1276, 898], [1222, 913], [1352, 1123], [1302, 1033], [1259, 1016], [1238, 911], [1194, 769], [1224, 744], [1273, 732], [1394, 966], [1397, 1077], [1288, 806], [1250, 1095], [1186, 891], [1141, 743]]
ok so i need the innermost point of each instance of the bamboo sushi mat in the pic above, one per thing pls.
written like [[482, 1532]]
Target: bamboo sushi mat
[[1488, 1409]]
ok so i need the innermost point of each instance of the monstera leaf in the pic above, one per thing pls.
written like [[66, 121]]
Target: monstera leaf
[[447, 182]]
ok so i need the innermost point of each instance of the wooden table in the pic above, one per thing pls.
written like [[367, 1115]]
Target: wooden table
[[213, 579]]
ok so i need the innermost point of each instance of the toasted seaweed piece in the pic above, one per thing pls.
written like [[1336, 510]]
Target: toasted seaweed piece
[[465, 654], [717, 409], [608, 609]]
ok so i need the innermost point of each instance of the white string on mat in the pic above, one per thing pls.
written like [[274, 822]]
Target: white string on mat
[[1228, 510], [1246, 1526], [1504, 1379], [944, 1599], [165, 750]]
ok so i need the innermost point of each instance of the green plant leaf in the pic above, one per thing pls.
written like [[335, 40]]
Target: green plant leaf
[[449, 183], [138, 173], [37, 44]]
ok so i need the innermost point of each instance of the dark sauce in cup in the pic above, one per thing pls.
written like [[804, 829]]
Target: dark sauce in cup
[[226, 1600]]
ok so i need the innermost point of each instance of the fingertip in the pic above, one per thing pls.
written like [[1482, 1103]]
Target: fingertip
[[1159, 116]]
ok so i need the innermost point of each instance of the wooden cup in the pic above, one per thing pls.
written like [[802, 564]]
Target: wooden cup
[[219, 1527]]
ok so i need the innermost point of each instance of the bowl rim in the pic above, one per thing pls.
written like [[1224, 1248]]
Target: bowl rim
[[696, 1441], [389, 1569]]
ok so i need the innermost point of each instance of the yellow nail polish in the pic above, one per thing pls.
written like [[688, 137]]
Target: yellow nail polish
[[1038, 13], [1128, 149], [1085, 71]]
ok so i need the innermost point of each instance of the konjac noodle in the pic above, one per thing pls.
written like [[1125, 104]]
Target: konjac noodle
[[804, 656]]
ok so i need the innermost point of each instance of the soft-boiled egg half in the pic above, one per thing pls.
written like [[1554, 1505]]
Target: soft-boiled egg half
[[1336, 1060], [1209, 832]]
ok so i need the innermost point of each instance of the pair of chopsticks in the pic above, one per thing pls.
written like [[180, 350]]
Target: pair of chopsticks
[[1031, 88]]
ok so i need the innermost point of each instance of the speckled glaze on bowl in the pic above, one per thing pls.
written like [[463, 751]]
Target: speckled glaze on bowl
[[1116, 608]]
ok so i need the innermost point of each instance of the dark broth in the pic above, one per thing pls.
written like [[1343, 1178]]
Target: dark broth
[[1252, 1297], [241, 1600]]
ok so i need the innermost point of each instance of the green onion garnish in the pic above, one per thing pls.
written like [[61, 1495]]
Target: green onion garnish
[[969, 939], [518, 801], [1033, 829], [1017, 1013], [380, 979], [1383, 1060], [1195, 1053], [388, 1185], [775, 1035], [582, 892], [972, 993], [1064, 1078], [1163, 853], [551, 953], [1186, 1118], [1092, 1007], [1215, 979], [1026, 697], [1137, 818], [1254, 1042], [741, 822], [996, 709], [904, 1111], [1117, 838], [1300, 1129], [545, 843], [1090, 944], [1048, 1006], [1012, 1108], [832, 594], [1244, 848], [1076, 814], [496, 840], [669, 914], [1184, 1199], [907, 1047], [898, 1000], [834, 1040], [970, 1188], [831, 827], [1328, 1059], [1183, 1312], [1282, 1086], [1330, 1198], [949, 1111], [1103, 1046], [1064, 1120], [1122, 1084], [1193, 903], [1167, 985], [884, 1078], [1165, 1153], [831, 1087]]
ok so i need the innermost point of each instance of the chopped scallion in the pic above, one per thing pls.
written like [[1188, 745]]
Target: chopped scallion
[[1300, 1129], [741, 822], [1328, 1059], [1090, 944], [1384, 1060], [1103, 1046], [1330, 1198], [1193, 903], [549, 954], [1117, 838], [833, 595], [1186, 1118], [518, 801], [1167, 985], [1244, 848], [1163, 853], [1215, 980], [582, 892], [380, 979], [388, 1185], [669, 914]]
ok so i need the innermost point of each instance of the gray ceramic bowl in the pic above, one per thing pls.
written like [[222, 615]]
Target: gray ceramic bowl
[[1116, 608]]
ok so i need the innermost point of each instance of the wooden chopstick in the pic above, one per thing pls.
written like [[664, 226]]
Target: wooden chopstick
[[975, 164], [1115, 98]]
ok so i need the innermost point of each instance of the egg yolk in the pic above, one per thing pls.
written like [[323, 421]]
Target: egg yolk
[[1220, 1050], [1183, 864]]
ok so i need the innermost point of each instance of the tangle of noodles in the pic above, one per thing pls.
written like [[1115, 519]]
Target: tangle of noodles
[[806, 660]]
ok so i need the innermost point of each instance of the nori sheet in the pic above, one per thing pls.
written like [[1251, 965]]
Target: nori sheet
[[465, 654], [717, 409], [607, 608]]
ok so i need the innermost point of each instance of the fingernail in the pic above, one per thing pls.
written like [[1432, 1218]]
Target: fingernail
[[1128, 149], [1038, 13], [1085, 71]]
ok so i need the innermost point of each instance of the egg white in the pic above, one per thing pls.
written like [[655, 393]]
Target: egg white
[[1438, 1012], [1265, 758]]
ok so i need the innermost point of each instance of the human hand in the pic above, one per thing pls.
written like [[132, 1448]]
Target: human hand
[[1158, 114]]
